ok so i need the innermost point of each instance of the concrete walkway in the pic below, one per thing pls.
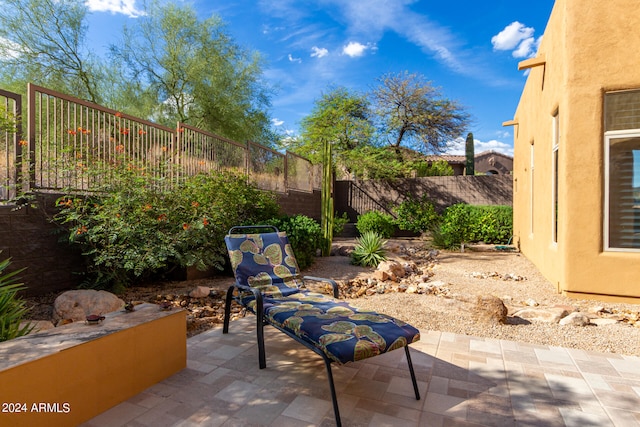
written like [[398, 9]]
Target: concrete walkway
[[464, 381]]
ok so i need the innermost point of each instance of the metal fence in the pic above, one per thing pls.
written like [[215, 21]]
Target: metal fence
[[11, 144], [71, 144]]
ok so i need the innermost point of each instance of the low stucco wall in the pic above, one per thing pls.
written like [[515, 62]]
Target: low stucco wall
[[67, 375]]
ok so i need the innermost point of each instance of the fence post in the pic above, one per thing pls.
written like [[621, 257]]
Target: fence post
[[31, 126]]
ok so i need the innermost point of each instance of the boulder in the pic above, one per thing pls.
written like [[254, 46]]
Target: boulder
[[575, 319], [200, 292], [490, 309], [76, 305], [392, 269], [604, 322], [546, 315]]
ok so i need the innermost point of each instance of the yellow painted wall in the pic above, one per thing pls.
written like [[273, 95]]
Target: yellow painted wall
[[589, 48], [87, 379]]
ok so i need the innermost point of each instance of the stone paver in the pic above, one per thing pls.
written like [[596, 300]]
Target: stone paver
[[463, 381]]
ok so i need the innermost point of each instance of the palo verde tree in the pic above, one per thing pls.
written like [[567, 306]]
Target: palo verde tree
[[338, 124], [43, 41], [340, 116], [411, 112], [194, 72]]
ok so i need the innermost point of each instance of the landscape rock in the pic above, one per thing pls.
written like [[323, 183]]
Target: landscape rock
[[546, 315], [575, 319], [77, 304], [490, 309], [342, 250], [393, 269], [604, 321], [200, 292]]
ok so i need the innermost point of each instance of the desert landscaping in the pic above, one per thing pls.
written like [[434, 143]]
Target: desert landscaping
[[485, 293]]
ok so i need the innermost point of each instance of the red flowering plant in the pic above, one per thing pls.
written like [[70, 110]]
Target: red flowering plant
[[139, 227]]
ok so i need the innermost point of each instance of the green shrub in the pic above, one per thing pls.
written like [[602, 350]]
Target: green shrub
[[380, 223], [492, 224], [339, 222], [417, 215], [304, 235], [12, 308], [454, 228], [141, 226], [463, 223], [369, 250]]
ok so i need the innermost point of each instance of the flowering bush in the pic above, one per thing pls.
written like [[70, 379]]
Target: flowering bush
[[140, 226]]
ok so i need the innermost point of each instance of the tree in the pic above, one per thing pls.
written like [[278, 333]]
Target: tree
[[410, 112], [192, 71], [340, 117], [43, 43], [470, 156]]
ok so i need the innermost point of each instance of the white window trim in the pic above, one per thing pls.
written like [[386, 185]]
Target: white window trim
[[554, 178], [608, 136], [531, 195]]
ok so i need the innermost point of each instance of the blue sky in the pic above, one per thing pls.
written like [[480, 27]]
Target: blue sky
[[469, 49]]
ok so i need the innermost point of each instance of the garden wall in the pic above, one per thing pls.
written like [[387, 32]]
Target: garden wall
[[31, 241], [29, 238], [358, 197]]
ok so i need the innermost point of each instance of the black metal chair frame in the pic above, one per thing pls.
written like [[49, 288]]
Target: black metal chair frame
[[261, 321]]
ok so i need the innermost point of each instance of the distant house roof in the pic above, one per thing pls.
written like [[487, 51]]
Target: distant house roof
[[449, 158], [493, 152]]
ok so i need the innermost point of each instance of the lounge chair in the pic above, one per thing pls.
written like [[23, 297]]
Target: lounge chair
[[269, 285]]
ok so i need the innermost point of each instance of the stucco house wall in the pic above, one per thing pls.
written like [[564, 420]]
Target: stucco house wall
[[588, 49], [493, 163]]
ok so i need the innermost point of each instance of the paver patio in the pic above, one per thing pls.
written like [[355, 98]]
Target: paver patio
[[464, 381]]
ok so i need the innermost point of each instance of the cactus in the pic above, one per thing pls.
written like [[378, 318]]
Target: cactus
[[470, 163], [326, 222]]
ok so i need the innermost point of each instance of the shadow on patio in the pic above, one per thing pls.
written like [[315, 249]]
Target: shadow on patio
[[464, 381]]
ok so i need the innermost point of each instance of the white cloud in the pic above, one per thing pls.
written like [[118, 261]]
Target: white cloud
[[126, 7], [292, 59], [518, 38], [318, 52], [354, 49], [372, 18], [457, 147], [277, 122]]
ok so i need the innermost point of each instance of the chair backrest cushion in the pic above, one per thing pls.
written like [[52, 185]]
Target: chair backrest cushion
[[264, 261]]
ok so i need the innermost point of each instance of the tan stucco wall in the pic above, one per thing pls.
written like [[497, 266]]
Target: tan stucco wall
[[589, 48], [78, 371]]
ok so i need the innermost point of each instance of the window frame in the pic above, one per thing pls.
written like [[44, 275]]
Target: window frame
[[555, 159], [608, 136]]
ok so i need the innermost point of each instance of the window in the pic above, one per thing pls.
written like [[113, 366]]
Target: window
[[622, 171], [531, 177], [554, 189]]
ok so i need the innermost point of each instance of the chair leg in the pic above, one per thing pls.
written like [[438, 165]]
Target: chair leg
[[227, 310], [413, 374], [334, 399], [262, 360]]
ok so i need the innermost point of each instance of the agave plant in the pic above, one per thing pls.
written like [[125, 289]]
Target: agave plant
[[12, 307], [369, 250]]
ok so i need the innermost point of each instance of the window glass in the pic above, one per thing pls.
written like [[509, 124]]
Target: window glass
[[623, 173], [622, 110]]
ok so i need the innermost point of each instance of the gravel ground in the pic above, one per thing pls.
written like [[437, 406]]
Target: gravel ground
[[465, 276], [453, 313]]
